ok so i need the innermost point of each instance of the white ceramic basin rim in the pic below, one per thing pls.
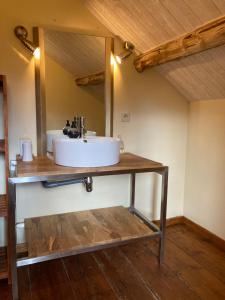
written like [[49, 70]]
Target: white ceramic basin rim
[[88, 152], [54, 134]]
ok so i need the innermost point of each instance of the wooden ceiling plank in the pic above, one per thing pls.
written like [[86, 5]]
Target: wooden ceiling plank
[[188, 74], [220, 4], [205, 76], [201, 88], [157, 16], [218, 81], [171, 19], [204, 10], [218, 57], [203, 67], [127, 21], [182, 78], [182, 13], [209, 35], [177, 83], [203, 79]]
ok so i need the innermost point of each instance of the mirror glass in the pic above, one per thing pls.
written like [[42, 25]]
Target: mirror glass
[[74, 80]]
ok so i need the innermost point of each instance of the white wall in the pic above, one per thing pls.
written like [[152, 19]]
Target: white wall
[[205, 188], [158, 127], [157, 130]]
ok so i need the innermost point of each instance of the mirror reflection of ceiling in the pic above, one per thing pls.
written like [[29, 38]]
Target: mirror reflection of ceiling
[[79, 54]]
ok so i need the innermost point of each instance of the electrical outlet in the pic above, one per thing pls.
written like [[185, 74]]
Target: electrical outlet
[[125, 117]]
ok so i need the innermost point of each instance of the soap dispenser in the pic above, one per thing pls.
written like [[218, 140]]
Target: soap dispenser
[[73, 133], [66, 128]]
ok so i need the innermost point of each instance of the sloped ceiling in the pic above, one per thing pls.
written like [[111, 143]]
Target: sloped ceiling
[[148, 23], [80, 55]]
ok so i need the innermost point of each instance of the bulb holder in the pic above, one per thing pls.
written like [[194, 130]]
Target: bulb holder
[[21, 33], [129, 48]]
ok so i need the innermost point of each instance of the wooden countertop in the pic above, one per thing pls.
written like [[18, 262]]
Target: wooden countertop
[[43, 168]]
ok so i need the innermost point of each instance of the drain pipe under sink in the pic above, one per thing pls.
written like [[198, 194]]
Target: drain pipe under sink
[[87, 181]]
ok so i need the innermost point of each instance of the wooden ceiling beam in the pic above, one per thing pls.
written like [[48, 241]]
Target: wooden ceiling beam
[[91, 79], [207, 36]]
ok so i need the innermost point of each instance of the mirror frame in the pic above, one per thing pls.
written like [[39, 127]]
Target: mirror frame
[[38, 37]]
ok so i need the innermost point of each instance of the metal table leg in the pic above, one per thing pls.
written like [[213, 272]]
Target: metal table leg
[[132, 191], [12, 239], [163, 214], [162, 228]]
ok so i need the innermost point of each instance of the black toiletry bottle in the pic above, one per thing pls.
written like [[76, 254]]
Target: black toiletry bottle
[[73, 133], [66, 128]]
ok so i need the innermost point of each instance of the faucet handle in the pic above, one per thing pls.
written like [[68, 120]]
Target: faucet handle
[[82, 127], [82, 122]]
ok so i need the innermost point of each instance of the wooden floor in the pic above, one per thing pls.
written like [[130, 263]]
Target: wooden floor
[[193, 269]]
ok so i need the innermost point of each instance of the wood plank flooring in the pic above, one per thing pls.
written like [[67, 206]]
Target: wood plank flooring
[[193, 269]]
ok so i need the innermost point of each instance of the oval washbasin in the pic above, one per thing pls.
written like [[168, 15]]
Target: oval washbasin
[[88, 152], [54, 134]]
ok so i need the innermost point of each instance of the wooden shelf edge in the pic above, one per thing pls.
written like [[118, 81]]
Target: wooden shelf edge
[[3, 274], [4, 266], [21, 250], [2, 146], [3, 263], [3, 206], [1, 80]]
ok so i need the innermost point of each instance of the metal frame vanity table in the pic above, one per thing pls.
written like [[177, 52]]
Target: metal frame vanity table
[[86, 231]]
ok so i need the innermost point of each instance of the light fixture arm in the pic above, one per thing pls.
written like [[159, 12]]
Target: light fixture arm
[[129, 49], [21, 33]]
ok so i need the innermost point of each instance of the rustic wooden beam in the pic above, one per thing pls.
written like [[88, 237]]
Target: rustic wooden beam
[[91, 79], [207, 36]]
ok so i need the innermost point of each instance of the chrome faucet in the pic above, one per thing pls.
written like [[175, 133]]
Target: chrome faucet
[[82, 127]]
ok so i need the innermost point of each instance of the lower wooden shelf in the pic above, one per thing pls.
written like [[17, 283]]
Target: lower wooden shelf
[[2, 146], [3, 206], [3, 263], [55, 236]]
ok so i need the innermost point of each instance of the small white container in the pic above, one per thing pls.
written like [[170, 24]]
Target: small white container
[[27, 151], [21, 141]]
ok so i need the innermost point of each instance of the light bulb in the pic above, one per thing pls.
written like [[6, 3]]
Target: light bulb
[[112, 60], [37, 53], [118, 59]]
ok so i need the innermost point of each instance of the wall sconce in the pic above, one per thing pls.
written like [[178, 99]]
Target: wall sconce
[[129, 48], [22, 34]]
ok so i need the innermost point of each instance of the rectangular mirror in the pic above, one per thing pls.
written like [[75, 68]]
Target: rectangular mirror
[[74, 77]]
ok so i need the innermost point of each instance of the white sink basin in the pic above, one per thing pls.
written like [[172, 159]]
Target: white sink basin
[[88, 152], [54, 134]]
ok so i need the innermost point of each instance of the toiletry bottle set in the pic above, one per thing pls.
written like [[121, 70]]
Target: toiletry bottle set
[[77, 128], [66, 128]]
